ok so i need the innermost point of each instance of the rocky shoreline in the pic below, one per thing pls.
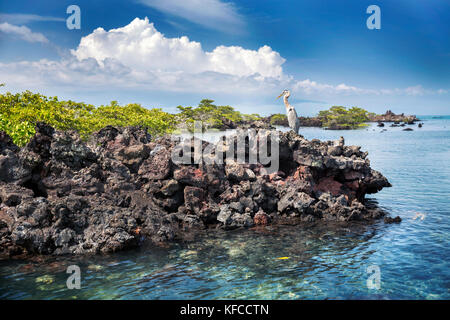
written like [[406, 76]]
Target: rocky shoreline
[[61, 195]]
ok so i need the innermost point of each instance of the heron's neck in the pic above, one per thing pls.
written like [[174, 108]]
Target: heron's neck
[[286, 102]]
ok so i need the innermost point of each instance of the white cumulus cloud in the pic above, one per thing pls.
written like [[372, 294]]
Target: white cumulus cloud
[[22, 32], [144, 49]]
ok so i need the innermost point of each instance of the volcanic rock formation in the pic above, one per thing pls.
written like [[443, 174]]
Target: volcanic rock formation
[[61, 195]]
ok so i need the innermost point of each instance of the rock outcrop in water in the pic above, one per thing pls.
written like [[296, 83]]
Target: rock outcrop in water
[[60, 195], [389, 116]]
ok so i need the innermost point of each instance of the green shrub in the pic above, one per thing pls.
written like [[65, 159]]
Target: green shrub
[[20, 112], [339, 116], [211, 115], [251, 117], [278, 119]]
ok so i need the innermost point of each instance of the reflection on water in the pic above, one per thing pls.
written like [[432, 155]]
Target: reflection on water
[[317, 262]]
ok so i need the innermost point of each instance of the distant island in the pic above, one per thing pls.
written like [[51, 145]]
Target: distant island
[[339, 118]]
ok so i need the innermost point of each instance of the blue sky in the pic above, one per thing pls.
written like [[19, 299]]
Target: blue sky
[[241, 53]]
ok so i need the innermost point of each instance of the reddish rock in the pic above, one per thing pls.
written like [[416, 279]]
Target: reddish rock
[[189, 175], [328, 184], [261, 218], [157, 166], [302, 172], [353, 185]]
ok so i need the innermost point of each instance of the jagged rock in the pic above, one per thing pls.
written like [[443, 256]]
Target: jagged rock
[[157, 166], [13, 195], [334, 150], [237, 172], [232, 220], [6, 143], [389, 116], [193, 198], [12, 169], [190, 176], [62, 195], [261, 218], [170, 187], [299, 202]]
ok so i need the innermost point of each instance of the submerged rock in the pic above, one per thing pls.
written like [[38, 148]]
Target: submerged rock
[[61, 195]]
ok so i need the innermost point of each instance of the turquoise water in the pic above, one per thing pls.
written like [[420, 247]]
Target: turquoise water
[[321, 262]]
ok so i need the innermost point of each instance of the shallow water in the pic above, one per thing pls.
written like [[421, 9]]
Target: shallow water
[[317, 263]]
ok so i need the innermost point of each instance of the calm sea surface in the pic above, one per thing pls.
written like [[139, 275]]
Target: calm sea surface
[[323, 262]]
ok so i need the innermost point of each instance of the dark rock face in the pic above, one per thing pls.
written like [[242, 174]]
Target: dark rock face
[[304, 121], [389, 220], [310, 122], [60, 195]]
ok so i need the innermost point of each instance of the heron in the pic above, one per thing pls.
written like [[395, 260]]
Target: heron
[[291, 114]]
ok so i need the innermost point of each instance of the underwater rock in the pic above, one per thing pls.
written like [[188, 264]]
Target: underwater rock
[[120, 189]]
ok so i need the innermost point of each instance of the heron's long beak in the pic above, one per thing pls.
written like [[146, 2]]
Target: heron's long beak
[[280, 95]]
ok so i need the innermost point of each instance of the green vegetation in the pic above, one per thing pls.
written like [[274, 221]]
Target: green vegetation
[[278, 119], [212, 116], [338, 116], [251, 117], [20, 112]]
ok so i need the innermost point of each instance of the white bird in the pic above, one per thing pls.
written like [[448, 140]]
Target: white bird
[[294, 122]]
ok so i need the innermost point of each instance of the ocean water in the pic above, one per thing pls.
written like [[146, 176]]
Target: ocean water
[[410, 259]]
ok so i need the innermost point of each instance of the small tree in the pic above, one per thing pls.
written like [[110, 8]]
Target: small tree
[[353, 118]]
